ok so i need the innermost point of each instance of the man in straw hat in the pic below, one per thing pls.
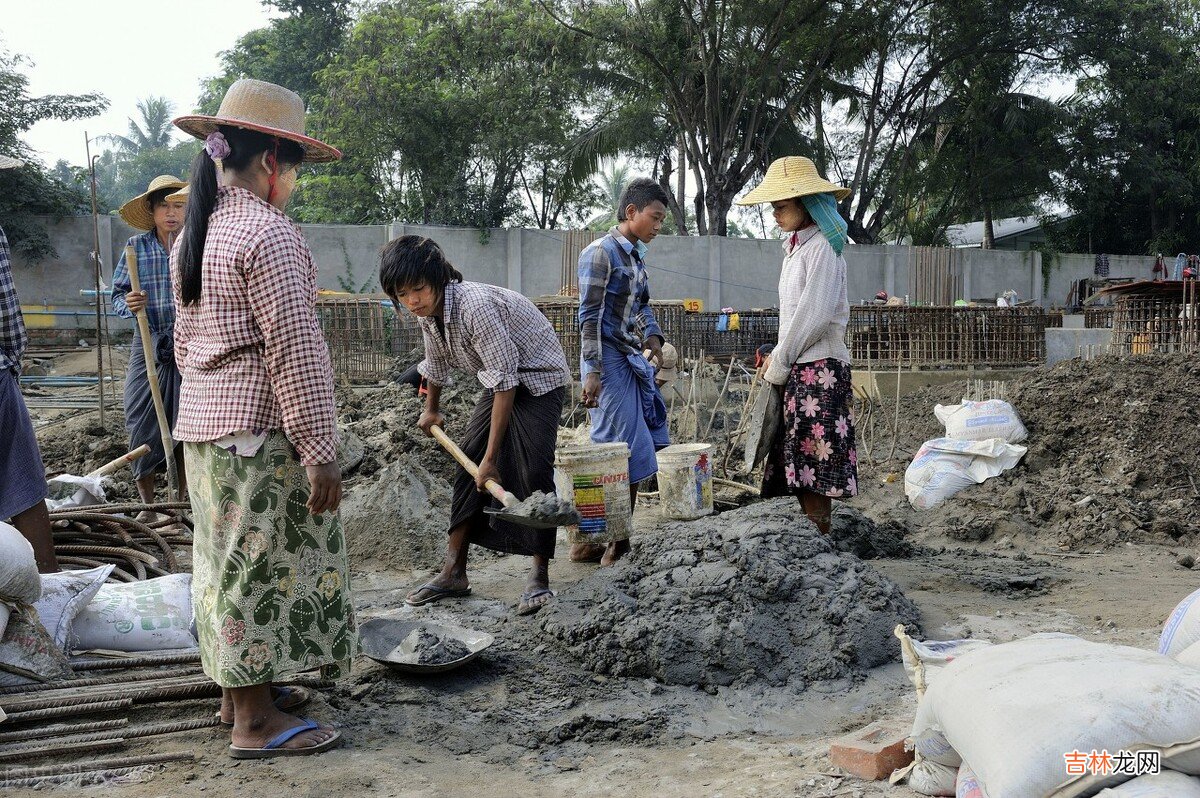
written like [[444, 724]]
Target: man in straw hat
[[815, 457], [159, 212], [22, 476], [270, 582]]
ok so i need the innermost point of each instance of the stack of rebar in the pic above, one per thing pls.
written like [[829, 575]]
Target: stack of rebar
[[86, 537]]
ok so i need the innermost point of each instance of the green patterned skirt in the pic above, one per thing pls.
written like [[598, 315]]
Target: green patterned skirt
[[270, 581]]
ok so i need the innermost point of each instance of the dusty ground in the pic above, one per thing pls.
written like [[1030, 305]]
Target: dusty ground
[[524, 720]]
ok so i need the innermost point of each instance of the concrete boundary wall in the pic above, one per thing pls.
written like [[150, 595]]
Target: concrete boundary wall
[[723, 272]]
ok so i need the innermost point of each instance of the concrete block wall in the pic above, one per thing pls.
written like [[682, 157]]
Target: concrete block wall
[[736, 272]]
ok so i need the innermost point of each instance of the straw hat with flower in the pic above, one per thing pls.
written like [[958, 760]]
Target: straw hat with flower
[[792, 176], [137, 212], [10, 163], [265, 107]]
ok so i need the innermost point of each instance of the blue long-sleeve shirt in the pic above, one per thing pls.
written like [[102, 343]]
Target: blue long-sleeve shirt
[[614, 300], [154, 273]]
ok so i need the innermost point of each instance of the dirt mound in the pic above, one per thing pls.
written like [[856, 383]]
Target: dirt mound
[[80, 445], [1112, 455], [752, 595]]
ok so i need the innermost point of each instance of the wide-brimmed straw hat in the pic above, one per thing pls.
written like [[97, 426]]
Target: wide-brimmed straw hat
[[182, 194], [10, 163], [267, 108], [137, 212], [668, 371], [792, 176]]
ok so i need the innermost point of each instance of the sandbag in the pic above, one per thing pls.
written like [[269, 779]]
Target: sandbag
[[1189, 656], [19, 579], [64, 595], [981, 421], [1167, 784], [152, 615], [930, 778], [68, 490], [942, 467], [1014, 710], [1182, 628]]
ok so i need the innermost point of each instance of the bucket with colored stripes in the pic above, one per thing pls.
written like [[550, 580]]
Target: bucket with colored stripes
[[596, 476]]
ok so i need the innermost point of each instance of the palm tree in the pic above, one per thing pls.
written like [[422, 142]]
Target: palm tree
[[611, 180], [155, 129]]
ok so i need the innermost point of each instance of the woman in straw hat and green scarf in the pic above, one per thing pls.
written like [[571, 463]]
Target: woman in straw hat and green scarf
[[815, 456], [270, 584], [161, 215]]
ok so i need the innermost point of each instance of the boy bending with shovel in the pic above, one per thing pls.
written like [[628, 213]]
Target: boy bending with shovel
[[501, 337]]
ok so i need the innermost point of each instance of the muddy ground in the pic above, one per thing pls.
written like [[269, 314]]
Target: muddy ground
[[545, 713]]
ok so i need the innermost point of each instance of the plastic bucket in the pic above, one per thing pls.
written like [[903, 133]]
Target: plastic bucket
[[596, 476], [685, 488]]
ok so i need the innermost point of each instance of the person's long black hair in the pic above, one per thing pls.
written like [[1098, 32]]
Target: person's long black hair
[[244, 147]]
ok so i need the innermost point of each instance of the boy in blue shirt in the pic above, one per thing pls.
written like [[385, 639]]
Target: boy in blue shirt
[[616, 324]]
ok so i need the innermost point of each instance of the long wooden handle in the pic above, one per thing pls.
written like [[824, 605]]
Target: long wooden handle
[[164, 428], [128, 457], [494, 488]]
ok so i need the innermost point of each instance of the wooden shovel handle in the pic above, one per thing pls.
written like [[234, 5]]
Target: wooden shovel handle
[[494, 488], [128, 457]]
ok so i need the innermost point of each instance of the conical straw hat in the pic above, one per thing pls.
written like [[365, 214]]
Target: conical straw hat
[[137, 212], [10, 163], [792, 176], [267, 108]]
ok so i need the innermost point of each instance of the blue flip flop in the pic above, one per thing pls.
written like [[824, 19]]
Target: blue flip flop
[[273, 749]]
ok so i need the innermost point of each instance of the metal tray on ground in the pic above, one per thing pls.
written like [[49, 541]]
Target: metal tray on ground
[[384, 640]]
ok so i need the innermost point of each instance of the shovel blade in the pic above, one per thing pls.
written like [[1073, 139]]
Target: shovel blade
[[533, 523]]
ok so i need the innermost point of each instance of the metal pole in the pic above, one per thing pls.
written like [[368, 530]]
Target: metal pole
[[87, 143]]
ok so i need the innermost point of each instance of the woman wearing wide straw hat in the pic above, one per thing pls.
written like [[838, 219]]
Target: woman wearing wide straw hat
[[270, 582], [160, 214], [815, 456]]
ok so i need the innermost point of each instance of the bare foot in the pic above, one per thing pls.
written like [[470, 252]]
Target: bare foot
[[260, 731], [586, 552], [615, 551]]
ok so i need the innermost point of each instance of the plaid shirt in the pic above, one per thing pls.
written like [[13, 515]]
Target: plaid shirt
[[614, 300], [154, 274], [251, 353], [12, 326], [499, 335]]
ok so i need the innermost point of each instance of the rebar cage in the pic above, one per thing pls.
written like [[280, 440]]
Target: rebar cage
[[940, 337], [1159, 322]]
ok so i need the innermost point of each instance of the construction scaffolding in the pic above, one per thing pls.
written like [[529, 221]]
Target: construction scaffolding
[[946, 337], [1161, 317]]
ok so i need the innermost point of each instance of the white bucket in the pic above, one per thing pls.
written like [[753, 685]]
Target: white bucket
[[596, 477], [685, 487]]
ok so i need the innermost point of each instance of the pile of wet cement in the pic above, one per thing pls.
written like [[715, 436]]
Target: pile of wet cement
[[755, 595]]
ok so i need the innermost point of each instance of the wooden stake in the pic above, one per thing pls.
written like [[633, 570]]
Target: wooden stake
[[164, 428]]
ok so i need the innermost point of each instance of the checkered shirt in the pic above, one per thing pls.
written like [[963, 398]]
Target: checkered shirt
[[154, 274], [499, 335], [12, 326], [251, 352], [614, 301]]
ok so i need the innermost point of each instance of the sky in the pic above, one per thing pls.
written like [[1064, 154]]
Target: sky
[[124, 49]]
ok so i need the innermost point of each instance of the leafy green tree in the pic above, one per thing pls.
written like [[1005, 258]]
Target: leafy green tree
[[460, 114], [32, 190]]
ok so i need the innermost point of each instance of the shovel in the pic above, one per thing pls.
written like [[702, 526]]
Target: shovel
[[514, 510]]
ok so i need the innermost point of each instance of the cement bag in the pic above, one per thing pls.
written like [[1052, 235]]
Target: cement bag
[[1182, 628], [1013, 711], [930, 778], [942, 467], [64, 595], [1167, 784], [153, 615], [28, 652], [19, 579], [968, 785], [979, 421], [68, 490]]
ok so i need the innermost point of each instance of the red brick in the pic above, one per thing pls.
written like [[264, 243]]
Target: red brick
[[872, 752]]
